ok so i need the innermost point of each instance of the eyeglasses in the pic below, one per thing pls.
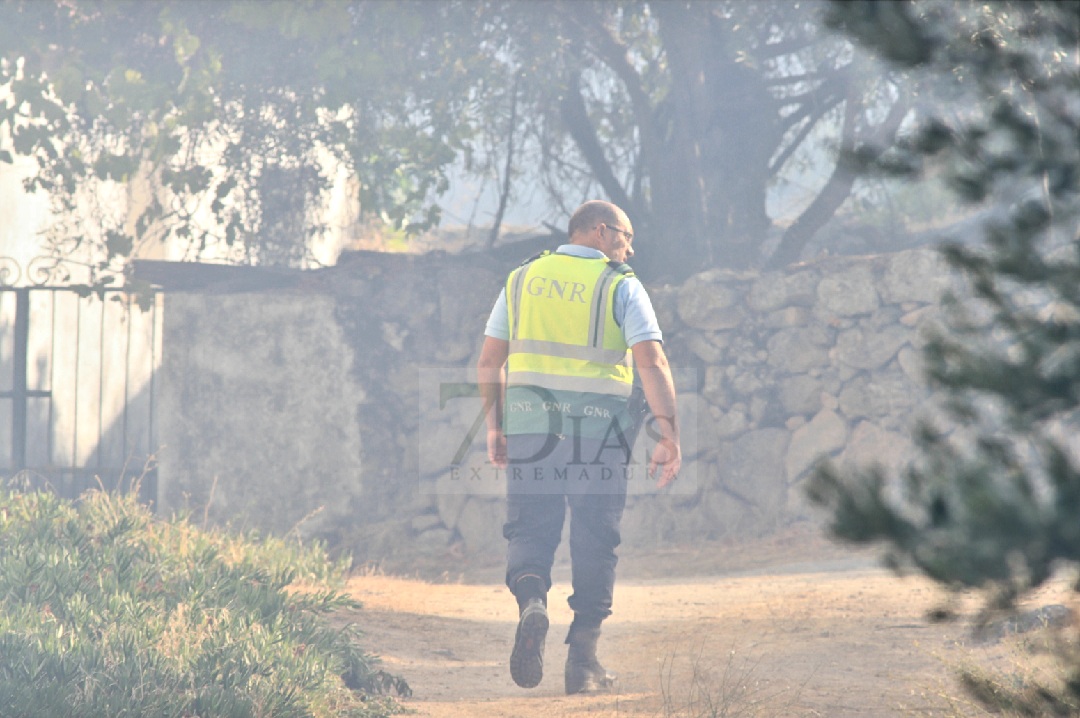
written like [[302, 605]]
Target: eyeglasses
[[629, 235]]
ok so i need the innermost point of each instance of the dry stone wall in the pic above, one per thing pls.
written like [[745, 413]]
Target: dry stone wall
[[305, 402]]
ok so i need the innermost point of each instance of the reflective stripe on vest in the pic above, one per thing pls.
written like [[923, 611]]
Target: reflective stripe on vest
[[563, 334]]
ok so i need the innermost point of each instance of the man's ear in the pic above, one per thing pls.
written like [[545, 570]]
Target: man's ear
[[604, 239]]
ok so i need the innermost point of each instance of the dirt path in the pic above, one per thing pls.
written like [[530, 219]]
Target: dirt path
[[826, 636]]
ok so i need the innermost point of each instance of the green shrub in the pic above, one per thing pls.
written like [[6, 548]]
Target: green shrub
[[106, 610]]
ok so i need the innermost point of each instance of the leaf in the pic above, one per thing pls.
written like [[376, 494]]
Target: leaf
[[25, 139], [118, 244], [117, 167], [225, 187]]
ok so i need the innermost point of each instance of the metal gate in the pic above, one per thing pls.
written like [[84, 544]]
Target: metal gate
[[77, 388]]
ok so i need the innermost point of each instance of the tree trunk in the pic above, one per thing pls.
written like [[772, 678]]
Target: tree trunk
[[746, 135], [709, 181]]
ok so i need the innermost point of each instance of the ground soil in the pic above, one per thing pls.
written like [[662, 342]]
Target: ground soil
[[788, 626]]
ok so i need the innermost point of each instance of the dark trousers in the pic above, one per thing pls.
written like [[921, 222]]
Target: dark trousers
[[546, 474]]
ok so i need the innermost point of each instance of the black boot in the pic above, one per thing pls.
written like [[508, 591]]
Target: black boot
[[527, 659], [584, 674]]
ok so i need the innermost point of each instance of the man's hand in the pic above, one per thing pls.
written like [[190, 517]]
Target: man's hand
[[496, 445], [666, 462]]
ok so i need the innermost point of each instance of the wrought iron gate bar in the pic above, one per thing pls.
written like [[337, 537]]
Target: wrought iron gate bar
[[18, 380], [52, 380], [78, 352], [64, 366], [101, 387], [127, 376]]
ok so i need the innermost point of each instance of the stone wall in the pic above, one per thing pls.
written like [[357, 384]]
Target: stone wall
[[299, 408]]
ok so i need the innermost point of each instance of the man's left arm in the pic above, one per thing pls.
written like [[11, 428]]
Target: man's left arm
[[652, 365], [636, 316]]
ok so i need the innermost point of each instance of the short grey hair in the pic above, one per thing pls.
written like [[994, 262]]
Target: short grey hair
[[592, 213]]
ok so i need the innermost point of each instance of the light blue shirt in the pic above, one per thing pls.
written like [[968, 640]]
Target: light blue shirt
[[633, 309]]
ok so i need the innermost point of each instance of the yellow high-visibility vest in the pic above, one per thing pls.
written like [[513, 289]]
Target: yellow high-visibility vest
[[563, 336]]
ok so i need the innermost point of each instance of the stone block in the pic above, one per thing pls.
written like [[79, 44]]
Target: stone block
[[800, 349], [800, 394], [865, 349], [849, 293], [710, 304], [885, 393], [824, 435], [773, 292], [915, 275]]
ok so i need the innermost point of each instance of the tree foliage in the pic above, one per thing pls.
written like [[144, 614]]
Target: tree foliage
[[215, 123], [992, 499], [224, 124], [688, 114]]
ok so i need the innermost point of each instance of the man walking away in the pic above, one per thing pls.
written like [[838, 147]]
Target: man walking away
[[561, 347]]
